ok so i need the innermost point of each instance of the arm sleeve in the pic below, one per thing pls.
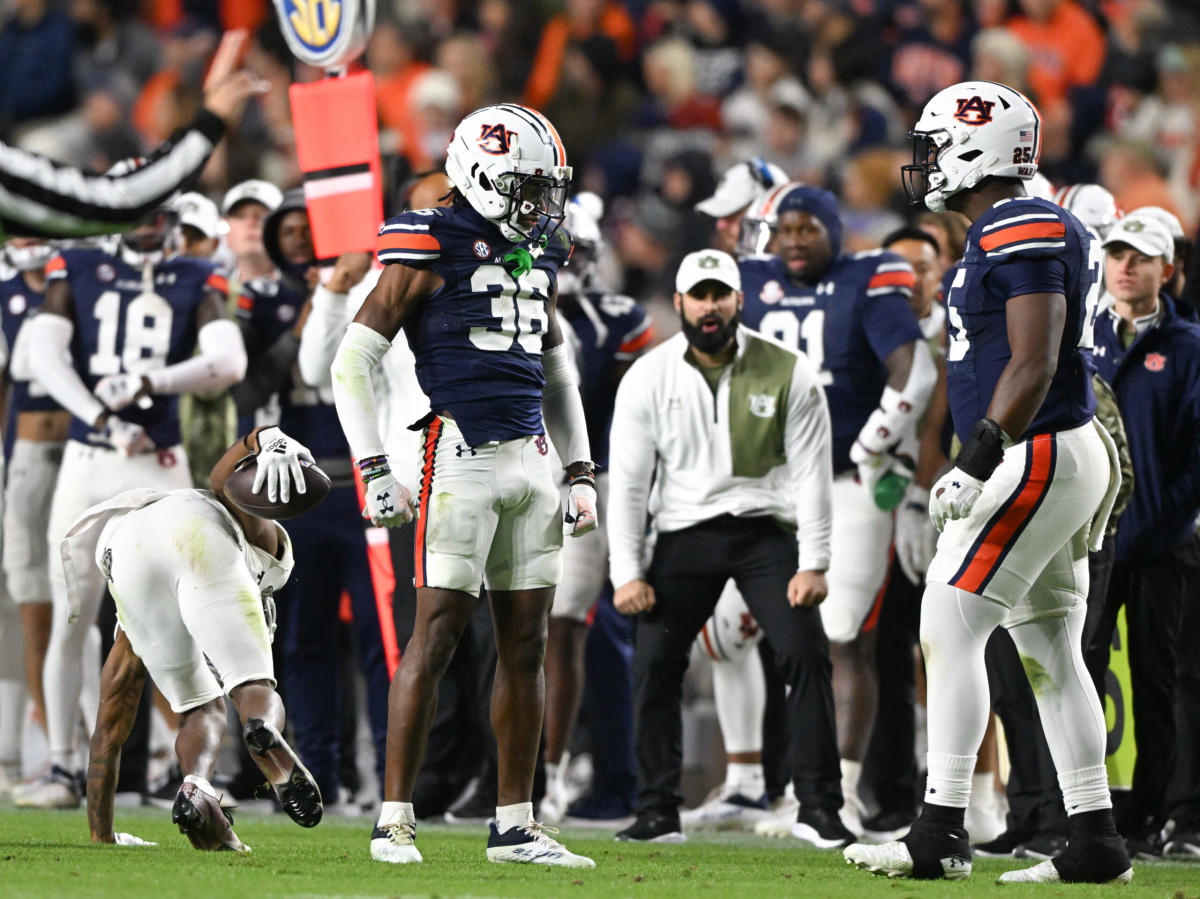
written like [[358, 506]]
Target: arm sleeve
[[810, 464], [632, 457], [323, 330], [562, 407], [360, 352], [220, 362], [40, 197], [53, 369]]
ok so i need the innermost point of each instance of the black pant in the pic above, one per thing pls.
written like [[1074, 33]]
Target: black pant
[[890, 771], [689, 571], [1164, 669]]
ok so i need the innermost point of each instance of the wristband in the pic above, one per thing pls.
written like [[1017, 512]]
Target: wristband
[[373, 467], [983, 450], [581, 473]]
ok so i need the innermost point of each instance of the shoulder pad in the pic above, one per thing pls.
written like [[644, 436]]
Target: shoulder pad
[[408, 238], [1023, 226]]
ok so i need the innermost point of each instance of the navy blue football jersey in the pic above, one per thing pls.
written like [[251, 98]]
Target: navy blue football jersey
[[121, 326], [478, 338], [847, 324], [1018, 247], [17, 300], [268, 308], [608, 331]]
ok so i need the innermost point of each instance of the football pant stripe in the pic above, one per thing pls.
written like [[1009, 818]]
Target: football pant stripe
[[431, 440], [877, 605]]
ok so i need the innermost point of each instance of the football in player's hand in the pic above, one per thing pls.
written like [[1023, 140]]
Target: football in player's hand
[[237, 489]]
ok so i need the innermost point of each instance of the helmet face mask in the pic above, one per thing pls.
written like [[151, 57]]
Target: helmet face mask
[[757, 228], [27, 255], [536, 204], [146, 244]]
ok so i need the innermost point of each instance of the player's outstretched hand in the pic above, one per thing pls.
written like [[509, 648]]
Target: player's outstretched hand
[[581, 514], [953, 496], [807, 588], [389, 504], [916, 537], [226, 90], [119, 391], [279, 465], [636, 596], [128, 839]]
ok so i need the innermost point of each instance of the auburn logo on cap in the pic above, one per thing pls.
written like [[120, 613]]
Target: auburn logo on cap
[[973, 110]]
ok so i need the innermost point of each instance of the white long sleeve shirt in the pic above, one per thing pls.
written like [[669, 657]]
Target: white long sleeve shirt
[[759, 446]]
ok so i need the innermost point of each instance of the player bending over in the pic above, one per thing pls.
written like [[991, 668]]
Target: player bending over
[[192, 576]]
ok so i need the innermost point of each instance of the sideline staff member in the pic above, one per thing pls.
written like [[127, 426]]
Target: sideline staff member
[[732, 429]]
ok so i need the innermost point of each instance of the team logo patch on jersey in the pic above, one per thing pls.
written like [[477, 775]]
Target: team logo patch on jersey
[[772, 292], [973, 110], [285, 313], [1155, 362], [762, 405], [481, 249], [495, 139], [17, 304], [105, 272]]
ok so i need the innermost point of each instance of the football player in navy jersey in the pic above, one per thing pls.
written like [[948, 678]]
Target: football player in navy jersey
[[473, 286], [36, 428], [114, 345], [331, 548], [850, 314], [1030, 490]]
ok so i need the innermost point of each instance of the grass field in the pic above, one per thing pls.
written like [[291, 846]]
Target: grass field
[[47, 854]]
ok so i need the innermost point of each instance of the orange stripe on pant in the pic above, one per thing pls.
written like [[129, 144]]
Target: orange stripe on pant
[[383, 581], [992, 544], [431, 438]]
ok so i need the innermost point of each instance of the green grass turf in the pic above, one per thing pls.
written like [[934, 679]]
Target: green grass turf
[[47, 854]]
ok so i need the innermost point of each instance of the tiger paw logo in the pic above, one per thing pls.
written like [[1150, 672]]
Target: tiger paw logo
[[314, 23], [1155, 362], [495, 139], [974, 110]]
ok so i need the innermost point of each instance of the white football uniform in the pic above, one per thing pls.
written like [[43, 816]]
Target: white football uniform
[[584, 563], [859, 557], [32, 475]]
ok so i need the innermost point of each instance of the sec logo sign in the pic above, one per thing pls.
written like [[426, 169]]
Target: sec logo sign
[[481, 249], [325, 32]]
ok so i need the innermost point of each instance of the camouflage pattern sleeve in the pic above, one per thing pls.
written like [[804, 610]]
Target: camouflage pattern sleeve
[[1110, 417]]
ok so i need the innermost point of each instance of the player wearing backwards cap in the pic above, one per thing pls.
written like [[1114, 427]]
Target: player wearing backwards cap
[[473, 285], [193, 577], [1151, 356], [850, 315], [725, 434], [738, 188], [1031, 488], [113, 344]]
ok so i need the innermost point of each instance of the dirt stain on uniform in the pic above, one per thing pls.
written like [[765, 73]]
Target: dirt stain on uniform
[[1040, 680]]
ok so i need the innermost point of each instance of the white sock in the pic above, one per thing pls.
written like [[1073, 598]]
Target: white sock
[[553, 770], [396, 813], [851, 772], [1085, 790], [982, 790], [949, 780], [510, 816], [746, 778]]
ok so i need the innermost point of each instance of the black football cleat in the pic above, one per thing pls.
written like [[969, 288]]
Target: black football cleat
[[198, 814], [295, 788]]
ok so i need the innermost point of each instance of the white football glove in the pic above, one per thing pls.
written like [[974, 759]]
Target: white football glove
[[278, 462], [871, 466], [129, 438], [953, 496], [581, 514], [118, 391], [389, 504], [128, 839], [916, 537]]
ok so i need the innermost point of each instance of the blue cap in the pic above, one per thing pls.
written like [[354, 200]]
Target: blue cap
[[819, 203]]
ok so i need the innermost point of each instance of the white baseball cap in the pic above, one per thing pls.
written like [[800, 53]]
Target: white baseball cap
[[741, 185], [263, 192], [1144, 233], [1164, 216], [200, 212], [706, 265]]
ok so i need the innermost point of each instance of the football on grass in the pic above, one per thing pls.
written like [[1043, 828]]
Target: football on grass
[[237, 489]]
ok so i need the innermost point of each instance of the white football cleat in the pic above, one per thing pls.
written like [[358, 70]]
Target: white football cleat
[[532, 845], [780, 817], [1046, 872], [894, 860], [726, 808], [395, 843], [56, 789]]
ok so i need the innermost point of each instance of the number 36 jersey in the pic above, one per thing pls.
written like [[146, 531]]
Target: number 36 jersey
[[122, 325], [478, 338], [1018, 247]]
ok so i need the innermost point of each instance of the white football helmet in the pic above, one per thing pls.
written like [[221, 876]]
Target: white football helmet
[[27, 254], [1091, 204], [731, 633], [759, 222], [509, 163], [583, 224], [146, 243], [968, 132]]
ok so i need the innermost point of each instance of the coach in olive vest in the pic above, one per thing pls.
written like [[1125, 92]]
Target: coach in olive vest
[[722, 437]]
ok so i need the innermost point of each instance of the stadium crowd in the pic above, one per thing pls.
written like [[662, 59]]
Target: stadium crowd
[[681, 119]]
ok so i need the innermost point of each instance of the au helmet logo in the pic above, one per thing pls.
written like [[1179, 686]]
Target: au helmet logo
[[973, 110], [495, 139]]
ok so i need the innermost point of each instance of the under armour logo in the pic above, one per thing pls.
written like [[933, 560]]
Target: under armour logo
[[460, 450], [383, 500], [955, 484]]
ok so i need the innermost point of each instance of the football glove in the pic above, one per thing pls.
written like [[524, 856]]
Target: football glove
[[278, 462], [129, 438], [118, 391], [581, 514], [916, 537], [871, 465], [388, 502], [953, 496]]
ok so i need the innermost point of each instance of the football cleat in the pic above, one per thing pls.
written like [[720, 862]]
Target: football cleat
[[726, 809], [822, 828], [532, 845], [58, 788], [1045, 872], [1183, 844], [781, 817], [295, 788], [198, 814], [653, 827], [395, 843], [895, 860], [1094, 860]]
